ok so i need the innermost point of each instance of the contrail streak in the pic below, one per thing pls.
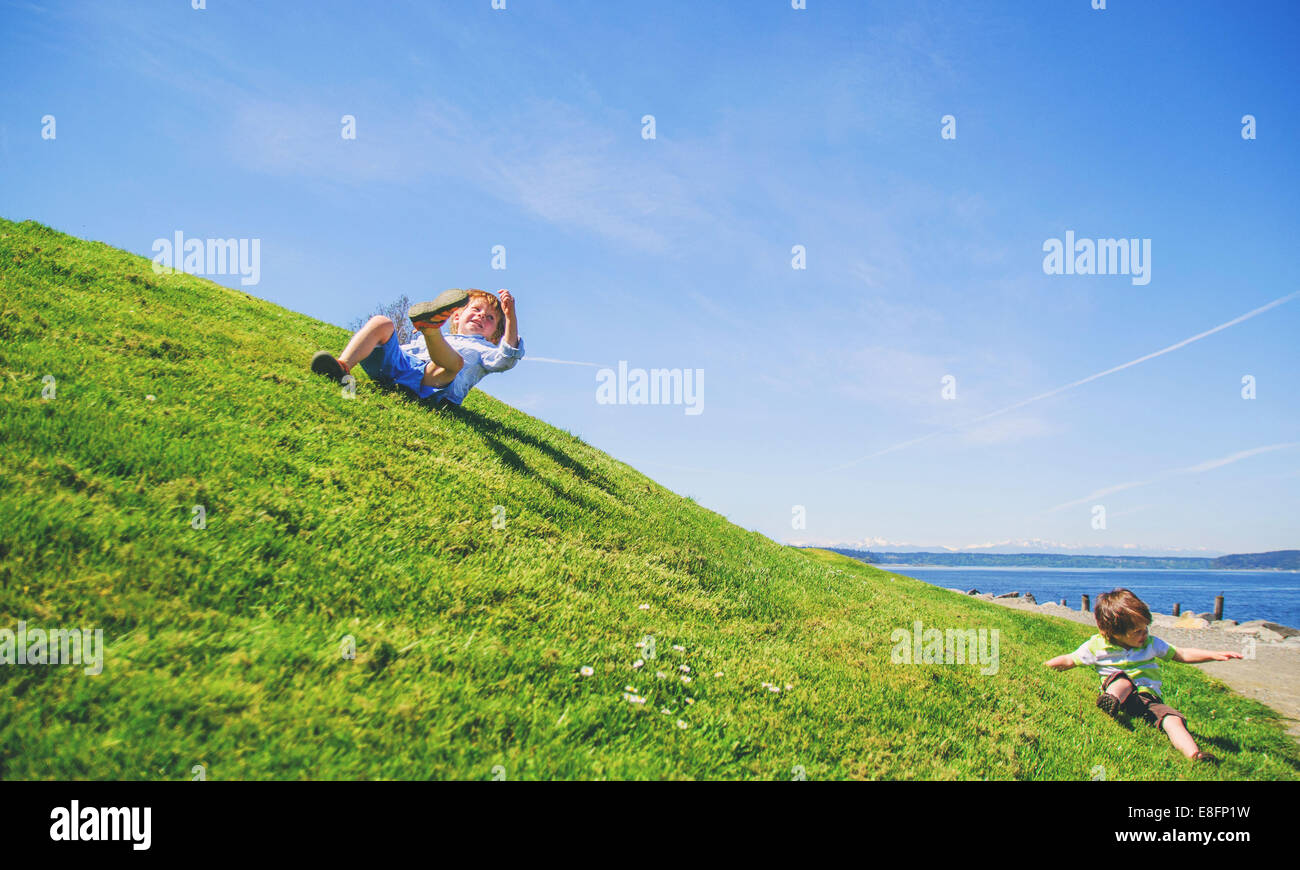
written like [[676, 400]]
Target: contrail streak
[[1073, 384], [1199, 468], [563, 362]]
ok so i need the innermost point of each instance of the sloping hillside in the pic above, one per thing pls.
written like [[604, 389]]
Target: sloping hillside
[[373, 519], [1275, 560]]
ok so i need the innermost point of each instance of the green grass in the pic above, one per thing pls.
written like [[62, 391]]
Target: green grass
[[373, 517]]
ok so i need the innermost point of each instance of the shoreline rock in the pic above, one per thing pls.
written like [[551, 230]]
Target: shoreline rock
[[1260, 629]]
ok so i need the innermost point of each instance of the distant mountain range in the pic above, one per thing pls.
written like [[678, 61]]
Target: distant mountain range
[[1275, 560], [1035, 546]]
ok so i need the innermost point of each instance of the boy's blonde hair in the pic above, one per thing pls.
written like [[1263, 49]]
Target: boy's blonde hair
[[493, 303], [1119, 612]]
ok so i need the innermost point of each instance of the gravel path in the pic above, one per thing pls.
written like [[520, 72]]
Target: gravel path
[[1272, 677]]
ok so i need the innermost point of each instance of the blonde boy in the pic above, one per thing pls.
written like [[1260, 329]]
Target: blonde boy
[[484, 338]]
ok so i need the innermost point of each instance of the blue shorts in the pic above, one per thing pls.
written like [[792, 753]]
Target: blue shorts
[[390, 366]]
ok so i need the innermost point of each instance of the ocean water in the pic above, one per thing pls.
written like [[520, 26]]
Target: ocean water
[[1271, 595]]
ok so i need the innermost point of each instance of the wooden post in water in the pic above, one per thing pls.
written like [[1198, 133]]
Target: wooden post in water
[[1063, 602], [1178, 608], [1087, 603], [1218, 607]]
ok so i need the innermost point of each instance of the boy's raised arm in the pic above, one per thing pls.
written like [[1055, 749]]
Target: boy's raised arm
[[511, 335]]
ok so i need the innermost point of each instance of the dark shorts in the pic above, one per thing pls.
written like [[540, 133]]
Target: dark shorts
[[1143, 705], [391, 366]]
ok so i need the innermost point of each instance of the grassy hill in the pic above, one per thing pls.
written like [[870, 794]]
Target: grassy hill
[[372, 518], [1276, 560]]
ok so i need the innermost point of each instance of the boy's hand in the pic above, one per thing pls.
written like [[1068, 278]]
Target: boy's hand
[[1060, 663], [511, 334], [1223, 655]]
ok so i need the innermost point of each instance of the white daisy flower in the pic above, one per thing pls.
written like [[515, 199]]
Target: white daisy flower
[[660, 675], [685, 679], [718, 674], [679, 647], [638, 663], [633, 699], [586, 671], [644, 607], [681, 724], [690, 700], [685, 669]]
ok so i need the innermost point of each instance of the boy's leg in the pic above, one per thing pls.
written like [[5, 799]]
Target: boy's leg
[[1176, 728], [376, 332], [1120, 687], [1114, 692], [446, 362]]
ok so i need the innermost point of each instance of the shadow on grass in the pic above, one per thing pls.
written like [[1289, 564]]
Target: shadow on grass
[[1126, 723], [1226, 746], [1223, 744], [486, 429], [489, 428]]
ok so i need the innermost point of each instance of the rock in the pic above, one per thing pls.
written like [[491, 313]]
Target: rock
[[1284, 630], [972, 592], [1008, 595], [1191, 622], [987, 596], [1224, 623], [1265, 630], [1029, 596], [1208, 617], [1164, 620]]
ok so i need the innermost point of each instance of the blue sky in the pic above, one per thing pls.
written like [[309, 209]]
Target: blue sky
[[774, 128]]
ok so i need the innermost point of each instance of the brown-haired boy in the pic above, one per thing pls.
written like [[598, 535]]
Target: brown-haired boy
[[1126, 657], [435, 367]]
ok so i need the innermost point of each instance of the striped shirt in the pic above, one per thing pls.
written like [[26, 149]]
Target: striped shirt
[[1140, 664]]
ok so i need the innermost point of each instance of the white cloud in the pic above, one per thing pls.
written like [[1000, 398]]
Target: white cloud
[[890, 376], [1008, 431]]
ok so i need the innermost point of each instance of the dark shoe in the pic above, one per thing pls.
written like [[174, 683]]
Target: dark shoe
[[325, 363], [432, 315], [1206, 757], [1109, 704]]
